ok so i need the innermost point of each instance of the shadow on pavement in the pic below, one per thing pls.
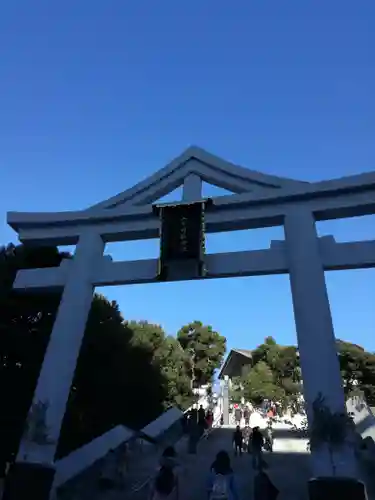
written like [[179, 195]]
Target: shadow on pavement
[[289, 471]]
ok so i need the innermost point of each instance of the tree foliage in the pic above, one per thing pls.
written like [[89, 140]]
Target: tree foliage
[[276, 373], [205, 347], [261, 385], [116, 380], [357, 369], [168, 356], [127, 373]]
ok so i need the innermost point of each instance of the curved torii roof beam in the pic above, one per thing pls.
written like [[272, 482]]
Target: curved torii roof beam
[[261, 201], [209, 167]]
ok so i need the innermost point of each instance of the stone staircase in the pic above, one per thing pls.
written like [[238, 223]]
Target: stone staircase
[[142, 463], [78, 476]]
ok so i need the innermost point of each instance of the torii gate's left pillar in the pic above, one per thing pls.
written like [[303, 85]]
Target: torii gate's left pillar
[[33, 472]]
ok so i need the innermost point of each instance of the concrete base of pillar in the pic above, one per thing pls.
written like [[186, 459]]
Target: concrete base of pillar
[[342, 488], [27, 480]]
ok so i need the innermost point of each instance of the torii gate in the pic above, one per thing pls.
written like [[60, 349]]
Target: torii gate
[[258, 201]]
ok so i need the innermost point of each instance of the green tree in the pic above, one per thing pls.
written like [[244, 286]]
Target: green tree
[[259, 384], [206, 349], [367, 381], [175, 367], [283, 362], [357, 369], [148, 335], [265, 352], [167, 355], [116, 380]]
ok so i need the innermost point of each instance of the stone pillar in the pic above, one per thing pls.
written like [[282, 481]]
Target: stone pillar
[[315, 334], [192, 188], [33, 472], [226, 400]]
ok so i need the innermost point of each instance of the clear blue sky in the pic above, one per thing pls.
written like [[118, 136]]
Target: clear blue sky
[[96, 95]]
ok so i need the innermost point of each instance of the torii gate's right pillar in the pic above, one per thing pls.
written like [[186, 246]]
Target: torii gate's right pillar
[[315, 334]]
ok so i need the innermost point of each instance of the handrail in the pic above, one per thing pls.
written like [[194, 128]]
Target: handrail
[[83, 458]]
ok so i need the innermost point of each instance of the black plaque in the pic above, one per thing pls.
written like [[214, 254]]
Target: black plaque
[[181, 232], [182, 236]]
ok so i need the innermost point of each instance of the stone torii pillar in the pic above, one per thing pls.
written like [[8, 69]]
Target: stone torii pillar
[[315, 334], [33, 471], [226, 400]]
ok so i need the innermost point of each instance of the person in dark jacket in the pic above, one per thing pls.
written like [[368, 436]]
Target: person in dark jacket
[[257, 443], [201, 415], [202, 420], [193, 417], [238, 416], [238, 441]]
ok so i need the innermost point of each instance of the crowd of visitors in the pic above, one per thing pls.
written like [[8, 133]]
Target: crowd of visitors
[[269, 410], [198, 421], [221, 477], [252, 440]]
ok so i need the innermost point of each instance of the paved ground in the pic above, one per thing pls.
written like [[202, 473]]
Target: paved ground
[[289, 471], [288, 468]]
